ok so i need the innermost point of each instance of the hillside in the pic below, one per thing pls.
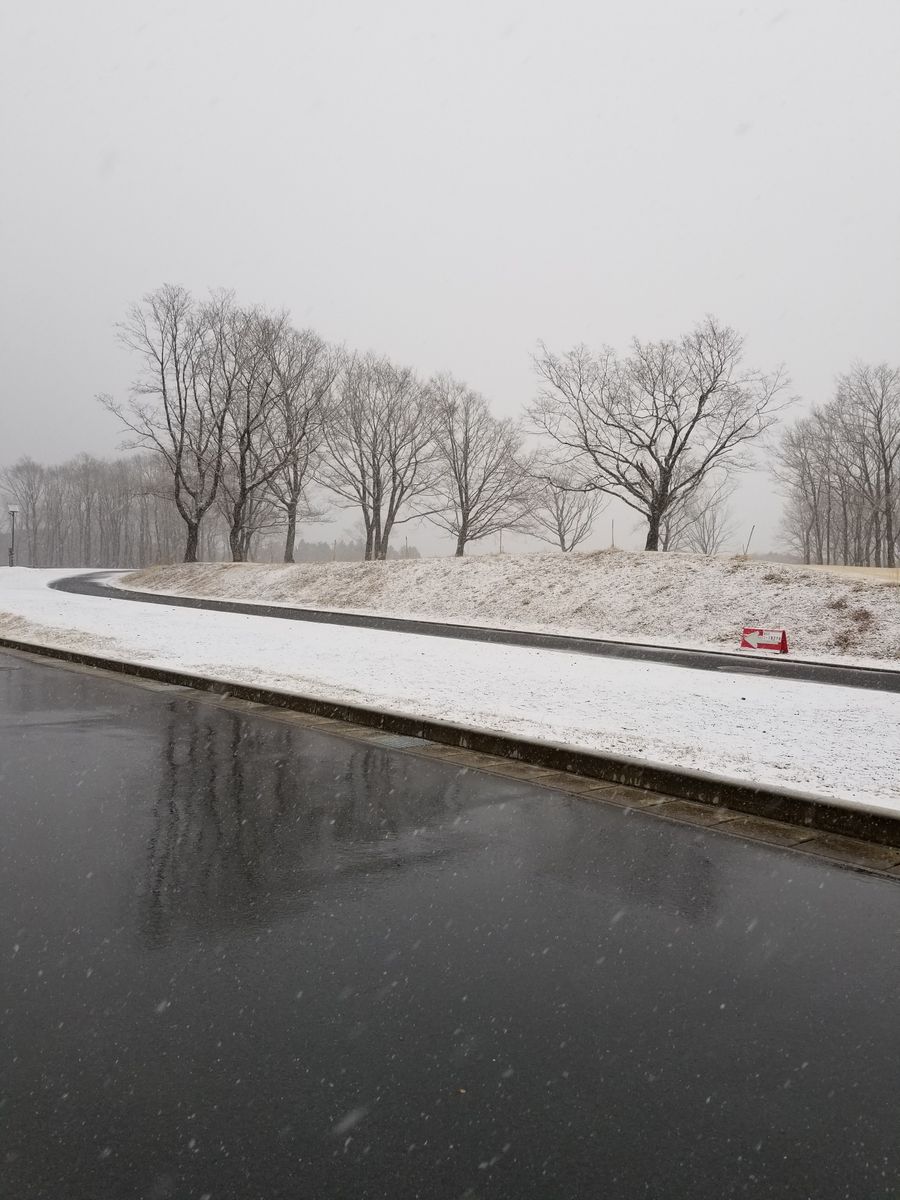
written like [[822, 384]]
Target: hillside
[[665, 598]]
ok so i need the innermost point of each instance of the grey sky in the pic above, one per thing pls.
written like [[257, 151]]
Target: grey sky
[[447, 183]]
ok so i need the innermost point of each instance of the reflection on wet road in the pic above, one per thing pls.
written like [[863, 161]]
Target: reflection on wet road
[[242, 959]]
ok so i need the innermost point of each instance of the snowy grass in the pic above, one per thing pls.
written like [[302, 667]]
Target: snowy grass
[[840, 743], [663, 598]]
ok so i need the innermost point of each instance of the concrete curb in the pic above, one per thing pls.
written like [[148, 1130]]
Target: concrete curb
[[780, 804]]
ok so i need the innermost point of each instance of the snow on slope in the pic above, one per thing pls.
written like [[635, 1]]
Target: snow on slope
[[842, 743], [688, 599]]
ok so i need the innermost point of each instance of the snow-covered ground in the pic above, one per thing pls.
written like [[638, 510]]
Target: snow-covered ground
[[839, 742], [679, 599]]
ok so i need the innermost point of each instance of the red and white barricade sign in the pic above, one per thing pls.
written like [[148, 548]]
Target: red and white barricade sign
[[765, 639]]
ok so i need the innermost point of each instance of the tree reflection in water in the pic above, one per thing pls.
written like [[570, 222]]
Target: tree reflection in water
[[250, 814]]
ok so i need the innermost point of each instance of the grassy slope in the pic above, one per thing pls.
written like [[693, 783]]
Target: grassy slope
[[640, 597]]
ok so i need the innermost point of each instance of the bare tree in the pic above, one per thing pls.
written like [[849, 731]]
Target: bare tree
[[379, 450], [702, 523], [839, 467], [177, 405], [60, 504], [650, 427], [25, 482], [867, 403], [563, 513], [482, 483], [156, 535], [305, 371], [804, 466], [255, 446], [85, 474], [259, 517]]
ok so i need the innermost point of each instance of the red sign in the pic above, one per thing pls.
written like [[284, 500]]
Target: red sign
[[765, 639]]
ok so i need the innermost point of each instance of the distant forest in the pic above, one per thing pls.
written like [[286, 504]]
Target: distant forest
[[98, 512]]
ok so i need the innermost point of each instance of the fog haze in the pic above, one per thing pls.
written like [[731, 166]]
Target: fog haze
[[447, 184]]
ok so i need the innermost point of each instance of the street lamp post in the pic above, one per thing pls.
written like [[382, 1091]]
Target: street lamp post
[[13, 510]]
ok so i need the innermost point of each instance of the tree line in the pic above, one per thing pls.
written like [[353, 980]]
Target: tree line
[[245, 424], [120, 513], [266, 423], [93, 512], [839, 466]]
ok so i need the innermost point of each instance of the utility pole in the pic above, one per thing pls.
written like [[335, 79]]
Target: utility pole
[[13, 510]]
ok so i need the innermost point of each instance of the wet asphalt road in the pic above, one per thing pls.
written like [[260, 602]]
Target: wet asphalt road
[[244, 960]]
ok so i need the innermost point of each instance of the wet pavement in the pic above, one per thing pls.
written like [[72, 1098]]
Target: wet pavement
[[241, 959]]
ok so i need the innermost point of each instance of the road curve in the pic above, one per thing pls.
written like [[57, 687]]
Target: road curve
[[878, 679]]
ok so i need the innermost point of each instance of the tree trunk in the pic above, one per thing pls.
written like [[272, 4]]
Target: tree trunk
[[87, 538], [654, 522], [461, 544], [382, 539], [236, 538], [193, 541], [291, 536], [235, 544], [889, 535]]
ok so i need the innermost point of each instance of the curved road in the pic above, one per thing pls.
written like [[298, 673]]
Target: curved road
[[700, 660]]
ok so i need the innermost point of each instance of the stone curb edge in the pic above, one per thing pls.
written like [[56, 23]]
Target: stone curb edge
[[773, 803]]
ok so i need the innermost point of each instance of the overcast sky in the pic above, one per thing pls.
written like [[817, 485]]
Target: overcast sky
[[447, 183]]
